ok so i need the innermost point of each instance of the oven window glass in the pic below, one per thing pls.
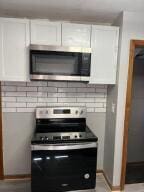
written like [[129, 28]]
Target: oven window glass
[[59, 63]]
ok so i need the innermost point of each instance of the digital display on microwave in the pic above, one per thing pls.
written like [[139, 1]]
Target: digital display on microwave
[[61, 111]]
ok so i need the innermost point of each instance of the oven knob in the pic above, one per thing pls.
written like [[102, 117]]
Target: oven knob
[[87, 176], [75, 136], [42, 138], [81, 112], [76, 112], [46, 112]]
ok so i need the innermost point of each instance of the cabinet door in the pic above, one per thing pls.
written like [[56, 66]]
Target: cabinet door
[[45, 33], [76, 35], [14, 49], [104, 43]]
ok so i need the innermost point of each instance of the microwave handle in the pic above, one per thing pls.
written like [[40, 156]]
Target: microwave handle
[[68, 146]]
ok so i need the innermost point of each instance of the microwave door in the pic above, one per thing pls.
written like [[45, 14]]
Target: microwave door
[[55, 65]]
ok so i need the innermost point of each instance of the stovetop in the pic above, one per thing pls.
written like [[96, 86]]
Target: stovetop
[[61, 125], [64, 137]]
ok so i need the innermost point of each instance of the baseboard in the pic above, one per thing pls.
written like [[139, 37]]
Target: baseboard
[[113, 188], [17, 177], [100, 171]]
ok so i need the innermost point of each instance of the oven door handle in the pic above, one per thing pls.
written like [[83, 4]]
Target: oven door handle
[[67, 146]]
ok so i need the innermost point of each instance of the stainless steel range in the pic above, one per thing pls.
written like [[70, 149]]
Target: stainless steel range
[[64, 151]]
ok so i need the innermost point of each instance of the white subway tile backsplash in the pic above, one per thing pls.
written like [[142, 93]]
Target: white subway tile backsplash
[[76, 84], [67, 90], [36, 94], [9, 99], [99, 95], [85, 100], [27, 89], [104, 105], [66, 95], [37, 83], [86, 90], [34, 105], [3, 104], [91, 110], [2, 94], [25, 97], [47, 100], [56, 94], [94, 105], [8, 88], [16, 94], [66, 100], [10, 83], [47, 89], [100, 100], [14, 104], [74, 104], [57, 84]]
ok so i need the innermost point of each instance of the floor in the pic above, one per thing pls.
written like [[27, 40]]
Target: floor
[[24, 186], [135, 173]]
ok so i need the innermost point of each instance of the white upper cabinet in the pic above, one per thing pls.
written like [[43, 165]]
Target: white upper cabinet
[[14, 49], [76, 35], [44, 32], [104, 43]]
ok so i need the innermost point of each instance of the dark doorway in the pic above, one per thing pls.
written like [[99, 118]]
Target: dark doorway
[[135, 148]]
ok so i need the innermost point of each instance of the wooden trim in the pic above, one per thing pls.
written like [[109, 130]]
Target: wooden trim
[[17, 177], [1, 140], [133, 45]]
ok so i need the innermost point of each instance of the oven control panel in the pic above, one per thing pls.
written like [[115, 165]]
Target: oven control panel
[[60, 112], [61, 136]]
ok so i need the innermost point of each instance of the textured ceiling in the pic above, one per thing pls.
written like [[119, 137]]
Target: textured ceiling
[[101, 11]]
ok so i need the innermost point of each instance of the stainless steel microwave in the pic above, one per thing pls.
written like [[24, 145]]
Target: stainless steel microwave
[[59, 63]]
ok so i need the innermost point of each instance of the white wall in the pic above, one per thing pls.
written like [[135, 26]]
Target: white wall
[[109, 151], [133, 28]]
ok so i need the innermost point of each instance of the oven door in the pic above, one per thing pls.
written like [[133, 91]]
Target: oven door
[[64, 167]]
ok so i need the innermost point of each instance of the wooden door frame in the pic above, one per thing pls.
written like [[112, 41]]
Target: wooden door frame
[[1, 140], [133, 45]]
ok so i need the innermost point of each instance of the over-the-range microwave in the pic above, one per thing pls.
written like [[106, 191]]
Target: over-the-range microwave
[[59, 63]]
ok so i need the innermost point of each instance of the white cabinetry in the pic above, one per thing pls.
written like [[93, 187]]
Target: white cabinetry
[[44, 32], [104, 43], [76, 35], [14, 43]]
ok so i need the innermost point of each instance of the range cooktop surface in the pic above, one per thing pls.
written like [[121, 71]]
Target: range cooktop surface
[[64, 137], [62, 125]]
